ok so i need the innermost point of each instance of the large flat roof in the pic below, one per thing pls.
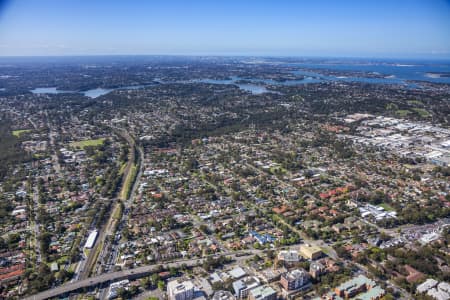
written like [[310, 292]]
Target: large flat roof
[[91, 239]]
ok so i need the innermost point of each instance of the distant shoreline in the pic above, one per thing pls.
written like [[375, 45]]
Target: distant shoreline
[[437, 74]]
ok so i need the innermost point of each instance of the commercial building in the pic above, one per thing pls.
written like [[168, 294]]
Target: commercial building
[[263, 292], [294, 280], [223, 295], [288, 256], [425, 286], [270, 274], [434, 289], [54, 267], [316, 269], [180, 290], [377, 212], [442, 160], [237, 273], [310, 251], [243, 286], [374, 293], [91, 239], [429, 237], [359, 285], [114, 288]]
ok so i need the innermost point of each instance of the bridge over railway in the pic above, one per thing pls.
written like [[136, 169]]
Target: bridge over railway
[[131, 274]]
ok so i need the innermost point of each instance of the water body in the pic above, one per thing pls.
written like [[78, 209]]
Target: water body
[[255, 89], [258, 85], [92, 93], [394, 73], [49, 90], [318, 77]]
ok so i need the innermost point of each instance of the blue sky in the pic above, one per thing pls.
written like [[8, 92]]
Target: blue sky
[[382, 28]]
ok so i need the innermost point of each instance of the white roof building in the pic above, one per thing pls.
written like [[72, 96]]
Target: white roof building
[[428, 284], [444, 286], [91, 239], [438, 294], [288, 255], [242, 287], [180, 290], [429, 237], [237, 273], [114, 287]]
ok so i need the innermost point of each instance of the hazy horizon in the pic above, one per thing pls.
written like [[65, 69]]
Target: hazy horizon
[[299, 57], [355, 29]]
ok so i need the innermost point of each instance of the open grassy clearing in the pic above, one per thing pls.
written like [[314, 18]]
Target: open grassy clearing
[[129, 180], [402, 112], [18, 133], [87, 143], [386, 207], [421, 112]]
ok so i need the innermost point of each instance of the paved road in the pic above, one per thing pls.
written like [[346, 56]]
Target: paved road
[[132, 273]]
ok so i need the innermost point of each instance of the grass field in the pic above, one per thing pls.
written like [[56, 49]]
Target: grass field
[[386, 207], [19, 132], [62, 260], [122, 168], [117, 214], [421, 112], [127, 185], [277, 170], [87, 143], [402, 112], [415, 102], [86, 252]]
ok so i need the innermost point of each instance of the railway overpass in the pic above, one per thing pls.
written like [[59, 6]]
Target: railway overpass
[[66, 289]]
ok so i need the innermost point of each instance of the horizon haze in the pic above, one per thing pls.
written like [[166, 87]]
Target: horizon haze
[[381, 29]]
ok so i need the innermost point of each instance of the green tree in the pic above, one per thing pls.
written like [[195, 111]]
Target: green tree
[[161, 285]]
